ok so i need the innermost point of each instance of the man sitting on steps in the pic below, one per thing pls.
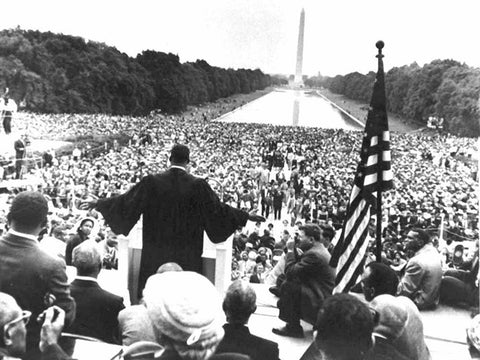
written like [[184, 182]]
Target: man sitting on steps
[[309, 281]]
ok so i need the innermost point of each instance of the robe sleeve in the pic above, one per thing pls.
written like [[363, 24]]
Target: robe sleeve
[[122, 212], [220, 220]]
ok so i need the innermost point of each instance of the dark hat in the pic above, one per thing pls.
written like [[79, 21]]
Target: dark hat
[[180, 154]]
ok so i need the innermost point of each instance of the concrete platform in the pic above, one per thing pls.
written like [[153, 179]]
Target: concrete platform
[[444, 329]]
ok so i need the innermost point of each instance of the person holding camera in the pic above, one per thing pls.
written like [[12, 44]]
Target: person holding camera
[[13, 321]]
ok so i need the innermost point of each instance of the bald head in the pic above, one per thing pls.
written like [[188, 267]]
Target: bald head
[[240, 302], [8, 306], [9, 310], [87, 259], [170, 266]]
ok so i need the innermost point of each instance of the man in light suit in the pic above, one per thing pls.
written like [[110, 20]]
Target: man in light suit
[[97, 309], [238, 305], [35, 279], [423, 272]]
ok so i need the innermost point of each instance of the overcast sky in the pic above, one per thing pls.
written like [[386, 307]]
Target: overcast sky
[[340, 35]]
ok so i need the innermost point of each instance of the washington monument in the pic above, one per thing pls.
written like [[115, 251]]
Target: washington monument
[[298, 80]]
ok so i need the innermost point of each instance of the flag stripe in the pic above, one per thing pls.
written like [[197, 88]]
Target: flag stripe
[[351, 225], [373, 176], [372, 160], [356, 236], [350, 270], [354, 216], [370, 179]]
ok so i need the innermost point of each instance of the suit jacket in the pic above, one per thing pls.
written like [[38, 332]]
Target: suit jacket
[[19, 149], [382, 350], [422, 278], [135, 325], [412, 341], [177, 208], [171, 354], [238, 339], [385, 350], [32, 276], [400, 323], [97, 311], [316, 277], [51, 352], [312, 352]]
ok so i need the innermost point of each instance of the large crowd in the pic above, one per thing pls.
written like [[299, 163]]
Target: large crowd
[[292, 175], [289, 173]]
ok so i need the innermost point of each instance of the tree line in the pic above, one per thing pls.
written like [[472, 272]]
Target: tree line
[[56, 73], [443, 89]]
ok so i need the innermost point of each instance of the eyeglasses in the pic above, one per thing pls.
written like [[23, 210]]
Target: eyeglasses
[[25, 317]]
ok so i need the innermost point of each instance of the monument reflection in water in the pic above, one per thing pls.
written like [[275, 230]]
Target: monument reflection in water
[[292, 108]]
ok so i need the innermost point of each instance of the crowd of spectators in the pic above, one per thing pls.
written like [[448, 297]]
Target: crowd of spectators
[[293, 175], [290, 173]]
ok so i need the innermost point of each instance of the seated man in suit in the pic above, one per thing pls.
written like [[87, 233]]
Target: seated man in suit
[[13, 321], [35, 279], [309, 281], [423, 272], [238, 305], [97, 309]]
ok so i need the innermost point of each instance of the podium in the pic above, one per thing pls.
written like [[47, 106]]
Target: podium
[[217, 260]]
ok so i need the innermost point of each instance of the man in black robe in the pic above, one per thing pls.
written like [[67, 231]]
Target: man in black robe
[[177, 208]]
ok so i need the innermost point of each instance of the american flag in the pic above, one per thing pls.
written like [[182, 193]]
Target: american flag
[[373, 176]]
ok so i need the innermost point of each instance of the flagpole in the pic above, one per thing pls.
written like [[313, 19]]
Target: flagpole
[[373, 176], [378, 238]]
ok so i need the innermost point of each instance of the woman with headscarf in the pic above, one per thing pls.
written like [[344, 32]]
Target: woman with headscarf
[[187, 321], [83, 232]]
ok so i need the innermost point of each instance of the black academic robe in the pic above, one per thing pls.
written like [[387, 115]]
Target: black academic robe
[[177, 208]]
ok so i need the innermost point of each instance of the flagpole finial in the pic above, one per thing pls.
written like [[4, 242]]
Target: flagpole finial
[[380, 44]]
